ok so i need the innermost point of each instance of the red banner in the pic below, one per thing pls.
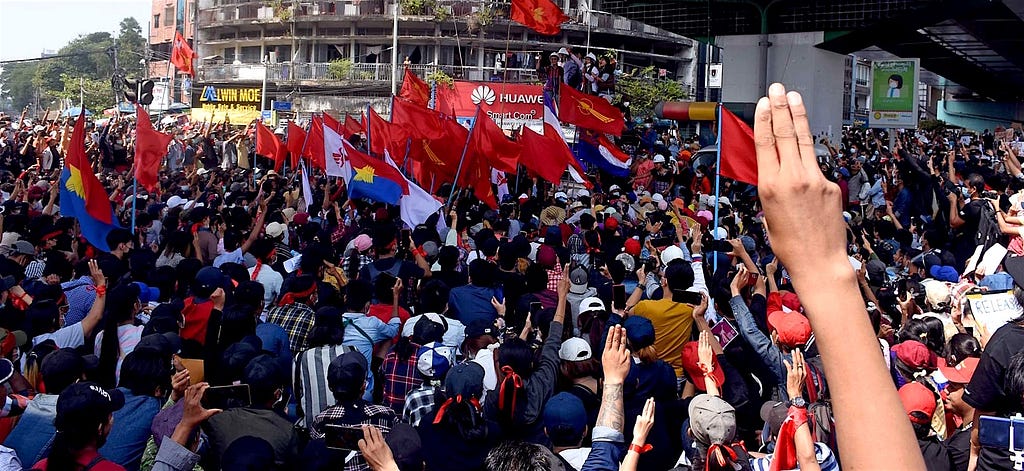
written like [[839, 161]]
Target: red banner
[[510, 105]]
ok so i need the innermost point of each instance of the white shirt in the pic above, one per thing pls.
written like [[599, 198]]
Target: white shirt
[[271, 281]]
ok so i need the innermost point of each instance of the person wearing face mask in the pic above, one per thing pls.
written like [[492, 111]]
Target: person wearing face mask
[[701, 183]]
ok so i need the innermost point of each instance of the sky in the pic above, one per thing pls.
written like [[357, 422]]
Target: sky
[[27, 27]]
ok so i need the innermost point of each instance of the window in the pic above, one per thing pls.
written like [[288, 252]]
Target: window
[[156, 21], [168, 16], [229, 55]]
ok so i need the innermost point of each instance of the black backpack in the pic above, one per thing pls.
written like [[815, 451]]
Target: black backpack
[[988, 228]]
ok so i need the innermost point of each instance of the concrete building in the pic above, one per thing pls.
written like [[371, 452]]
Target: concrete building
[[167, 17], [334, 55]]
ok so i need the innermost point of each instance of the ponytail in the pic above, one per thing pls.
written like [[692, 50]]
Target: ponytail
[[511, 391], [465, 416]]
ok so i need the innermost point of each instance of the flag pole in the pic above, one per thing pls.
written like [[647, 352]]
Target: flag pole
[[458, 171], [408, 148], [305, 140], [718, 179], [369, 124], [135, 197]]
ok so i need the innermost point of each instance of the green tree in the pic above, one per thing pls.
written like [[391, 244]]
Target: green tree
[[16, 84], [643, 89], [96, 94], [131, 48]]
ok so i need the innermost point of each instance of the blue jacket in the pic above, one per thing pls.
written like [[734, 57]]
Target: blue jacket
[[127, 440], [33, 435], [607, 450], [469, 303], [363, 332]]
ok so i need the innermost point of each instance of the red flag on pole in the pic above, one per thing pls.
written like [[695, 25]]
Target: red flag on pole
[[182, 55], [490, 145], [352, 126], [542, 16], [315, 144], [268, 145], [590, 112], [414, 89], [418, 121], [736, 149], [150, 149], [546, 154], [296, 139]]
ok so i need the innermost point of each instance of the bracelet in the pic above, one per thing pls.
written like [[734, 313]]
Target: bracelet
[[101, 291], [420, 251], [640, 449]]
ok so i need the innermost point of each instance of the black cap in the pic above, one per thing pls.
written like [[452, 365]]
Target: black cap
[[168, 343], [61, 368], [465, 379], [207, 281], [1015, 267], [264, 373], [86, 403], [406, 446], [347, 372], [426, 331], [479, 328]]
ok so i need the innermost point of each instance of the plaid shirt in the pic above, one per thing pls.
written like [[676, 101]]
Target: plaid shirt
[[297, 320], [379, 416], [554, 277], [418, 404], [400, 377]]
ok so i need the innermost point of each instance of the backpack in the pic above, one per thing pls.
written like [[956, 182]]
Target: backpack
[[988, 228], [819, 405]]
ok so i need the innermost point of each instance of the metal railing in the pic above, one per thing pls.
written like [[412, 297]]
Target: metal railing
[[352, 72]]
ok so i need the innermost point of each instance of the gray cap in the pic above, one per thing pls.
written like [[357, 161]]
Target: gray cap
[[22, 247], [712, 420]]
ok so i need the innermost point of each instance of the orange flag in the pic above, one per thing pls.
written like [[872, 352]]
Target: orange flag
[[542, 16], [590, 112], [414, 89], [150, 149]]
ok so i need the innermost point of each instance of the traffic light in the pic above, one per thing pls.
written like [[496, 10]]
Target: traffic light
[[145, 92], [127, 87]]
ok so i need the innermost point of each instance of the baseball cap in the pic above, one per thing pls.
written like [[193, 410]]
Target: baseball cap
[[434, 359], [915, 354], [961, 373], [565, 418], [578, 280], [465, 379], [583, 193], [561, 196], [712, 420], [61, 367], [347, 372], [275, 229], [632, 247], [175, 201], [917, 398], [479, 328], [147, 294], [575, 349], [671, 253], [639, 332], [22, 247], [792, 327], [11, 339], [591, 304], [774, 413], [362, 242], [658, 158], [690, 359], [264, 373], [428, 330], [167, 343], [207, 280], [86, 403]]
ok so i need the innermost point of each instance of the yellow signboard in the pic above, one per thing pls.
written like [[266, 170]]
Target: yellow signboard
[[240, 104]]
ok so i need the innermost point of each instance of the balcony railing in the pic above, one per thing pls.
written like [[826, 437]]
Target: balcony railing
[[353, 72]]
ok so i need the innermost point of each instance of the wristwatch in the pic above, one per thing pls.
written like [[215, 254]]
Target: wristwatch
[[798, 402]]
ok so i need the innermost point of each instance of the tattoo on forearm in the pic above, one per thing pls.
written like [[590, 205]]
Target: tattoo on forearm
[[611, 413]]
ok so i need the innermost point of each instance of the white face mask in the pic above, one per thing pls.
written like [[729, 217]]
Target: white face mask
[[699, 174]]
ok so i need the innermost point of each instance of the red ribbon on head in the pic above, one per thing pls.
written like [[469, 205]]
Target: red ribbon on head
[[720, 452], [517, 383], [290, 298], [454, 400]]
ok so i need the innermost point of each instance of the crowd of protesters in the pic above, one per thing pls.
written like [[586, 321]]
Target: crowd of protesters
[[821, 321]]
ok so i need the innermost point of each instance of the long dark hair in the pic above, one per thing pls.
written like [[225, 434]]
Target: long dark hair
[[465, 416], [120, 307], [515, 359]]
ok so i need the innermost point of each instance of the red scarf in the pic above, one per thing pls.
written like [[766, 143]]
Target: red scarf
[[785, 444]]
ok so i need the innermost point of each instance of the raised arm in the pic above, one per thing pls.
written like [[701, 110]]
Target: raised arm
[[795, 195], [96, 312]]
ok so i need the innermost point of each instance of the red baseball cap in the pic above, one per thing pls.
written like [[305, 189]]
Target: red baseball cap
[[696, 375], [915, 355], [793, 328], [792, 301], [632, 247], [917, 398], [611, 224], [961, 373]]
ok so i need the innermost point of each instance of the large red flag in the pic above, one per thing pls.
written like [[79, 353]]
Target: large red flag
[[590, 112], [545, 154], [268, 145], [542, 16], [490, 145], [435, 161], [352, 126], [182, 55], [414, 89], [315, 144], [417, 120], [296, 139], [739, 160], [150, 149], [383, 135], [334, 124]]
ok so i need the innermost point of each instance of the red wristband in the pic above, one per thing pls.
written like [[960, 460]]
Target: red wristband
[[419, 251], [640, 449], [101, 291]]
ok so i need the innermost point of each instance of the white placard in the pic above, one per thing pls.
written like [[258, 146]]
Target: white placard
[[994, 310]]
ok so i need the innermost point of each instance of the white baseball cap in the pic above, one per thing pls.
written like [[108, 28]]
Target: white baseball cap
[[671, 253], [561, 196], [591, 304], [658, 158], [575, 349], [275, 229]]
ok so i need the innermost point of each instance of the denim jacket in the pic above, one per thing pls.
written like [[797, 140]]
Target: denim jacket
[[127, 440], [33, 435], [607, 450], [770, 354]]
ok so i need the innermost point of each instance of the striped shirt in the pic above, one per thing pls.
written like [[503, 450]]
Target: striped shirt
[[310, 373], [128, 336]]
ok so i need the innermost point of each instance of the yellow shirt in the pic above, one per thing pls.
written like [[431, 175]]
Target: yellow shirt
[[673, 324]]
